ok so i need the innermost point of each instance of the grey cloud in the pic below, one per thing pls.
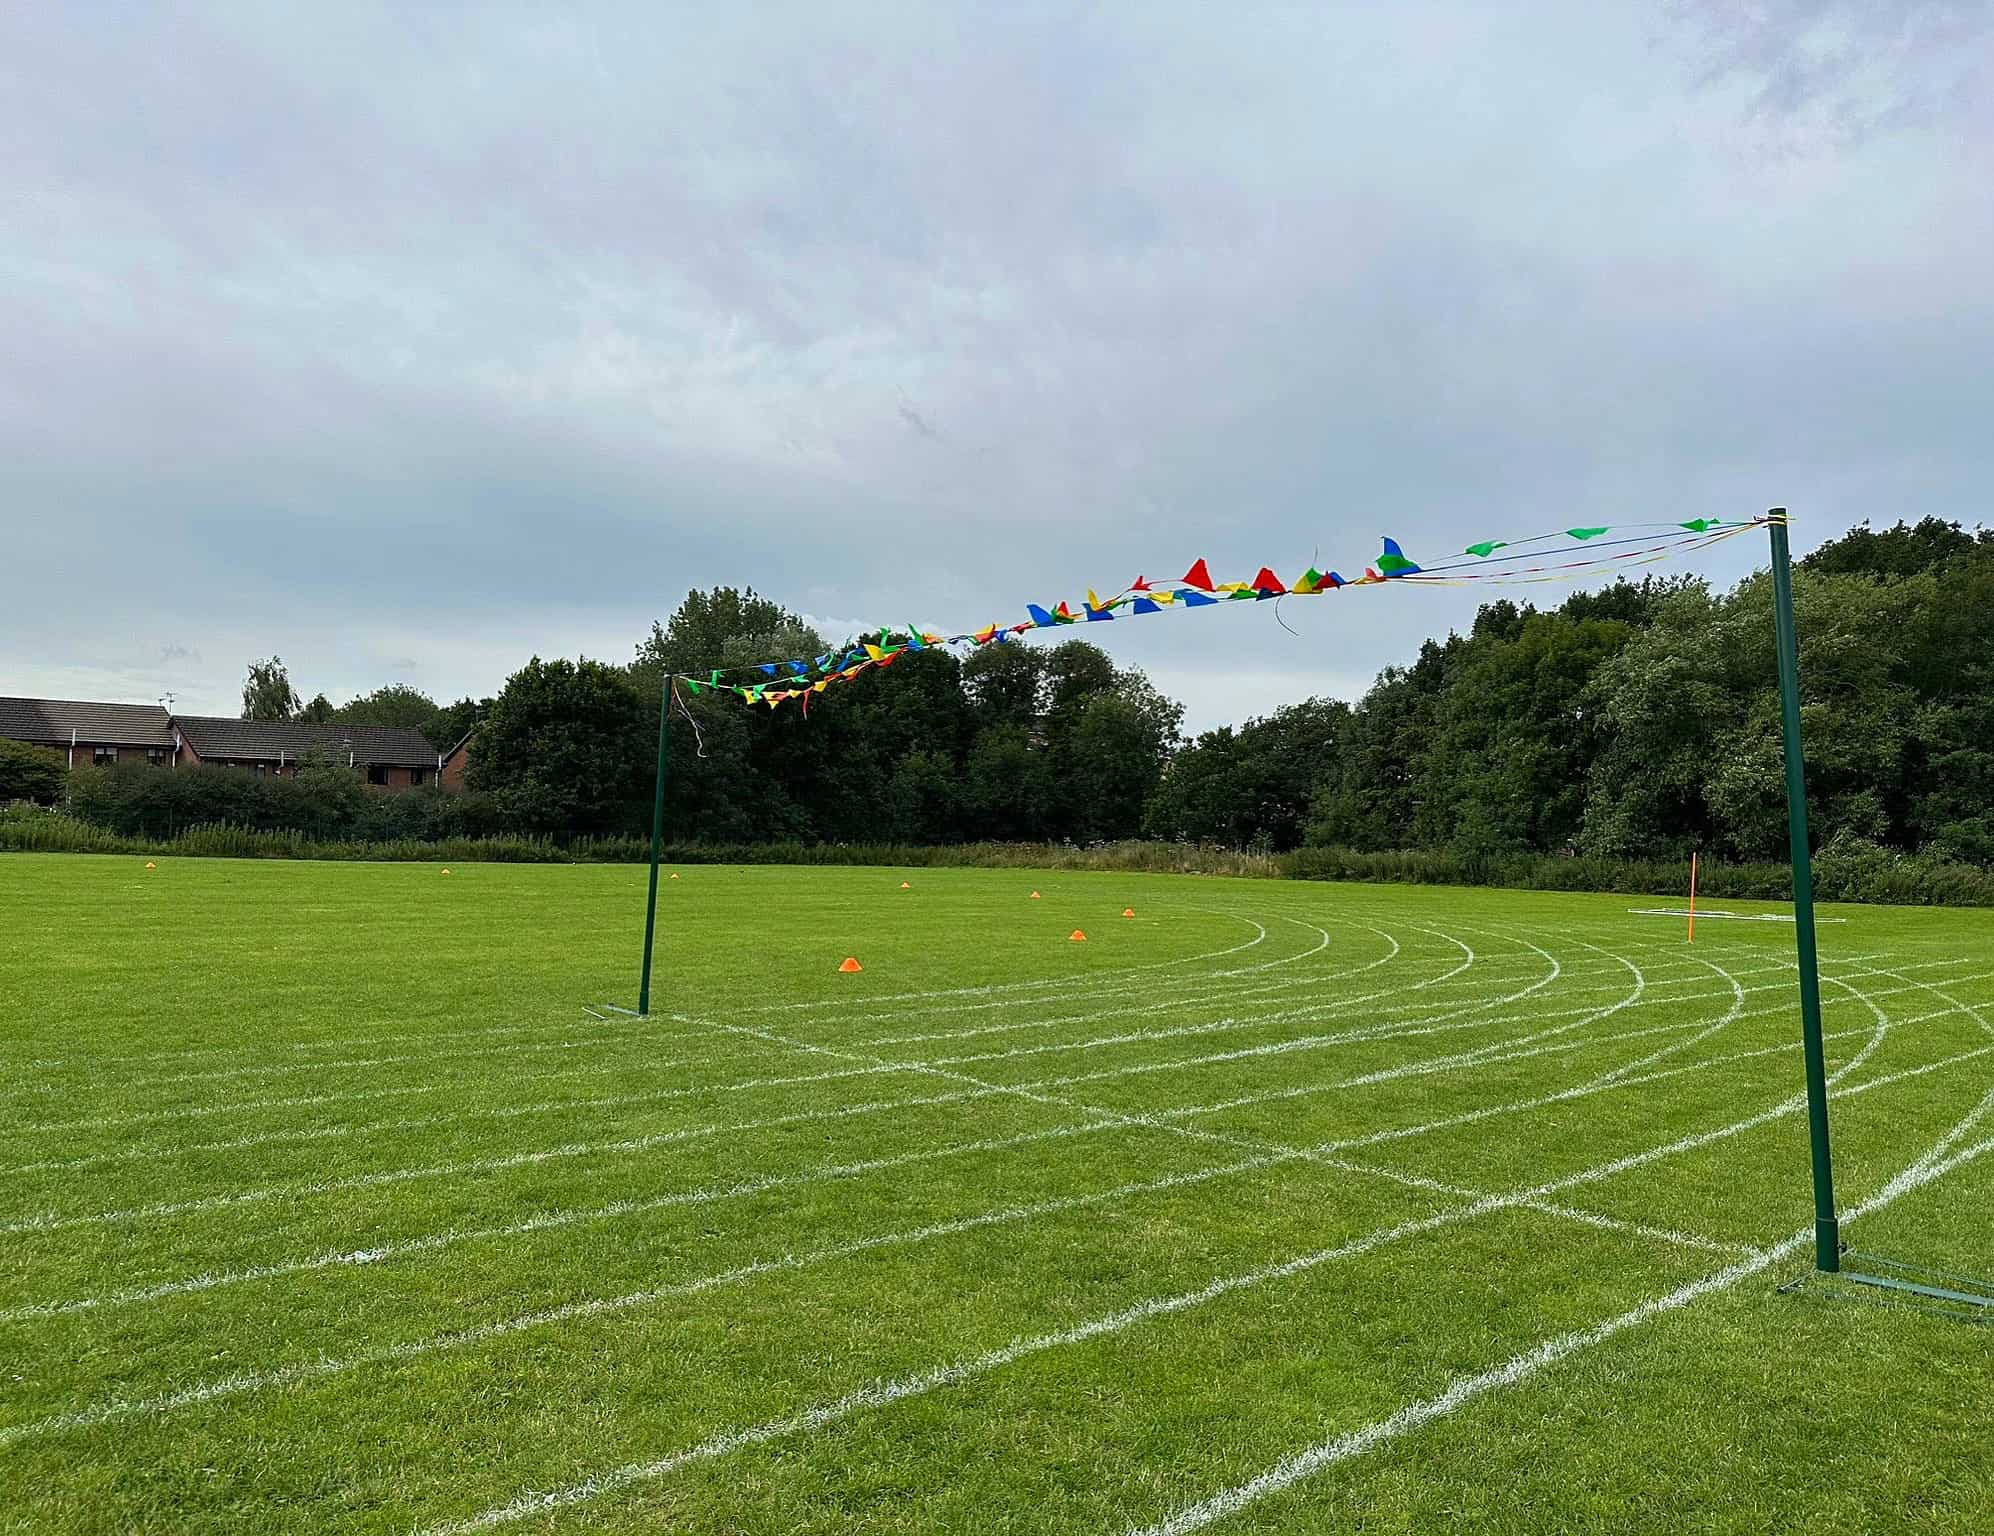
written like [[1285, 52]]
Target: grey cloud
[[371, 333]]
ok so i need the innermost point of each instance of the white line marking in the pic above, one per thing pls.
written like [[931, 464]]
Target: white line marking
[[881, 1394], [1465, 1389]]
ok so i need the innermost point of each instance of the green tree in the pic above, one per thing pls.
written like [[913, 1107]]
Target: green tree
[[30, 773], [453, 722], [267, 693], [567, 748], [400, 704]]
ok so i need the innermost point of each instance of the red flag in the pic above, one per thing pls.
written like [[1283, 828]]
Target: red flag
[[1198, 577], [1267, 581], [1139, 585]]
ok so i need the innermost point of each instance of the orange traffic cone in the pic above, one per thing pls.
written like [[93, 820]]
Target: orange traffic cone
[[1077, 937], [150, 865], [1035, 896], [1128, 911], [850, 965], [445, 871], [675, 874], [905, 886]]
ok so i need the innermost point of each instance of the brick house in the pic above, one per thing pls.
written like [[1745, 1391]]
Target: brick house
[[87, 734], [389, 757], [456, 763]]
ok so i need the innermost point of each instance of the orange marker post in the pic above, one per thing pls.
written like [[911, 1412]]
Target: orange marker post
[[1692, 895]]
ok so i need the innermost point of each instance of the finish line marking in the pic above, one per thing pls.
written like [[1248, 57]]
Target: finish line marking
[[1736, 917]]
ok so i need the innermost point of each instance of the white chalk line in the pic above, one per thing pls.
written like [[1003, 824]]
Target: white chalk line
[[621, 1036], [1160, 1119], [1464, 1389], [882, 1394], [251, 1381], [252, 1106], [55, 1221]]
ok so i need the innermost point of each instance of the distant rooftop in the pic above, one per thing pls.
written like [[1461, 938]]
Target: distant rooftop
[[216, 737], [57, 721]]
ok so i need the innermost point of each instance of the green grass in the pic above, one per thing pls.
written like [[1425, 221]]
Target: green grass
[[326, 1207]]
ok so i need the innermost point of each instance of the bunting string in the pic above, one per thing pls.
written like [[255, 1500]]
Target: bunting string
[[1496, 561]]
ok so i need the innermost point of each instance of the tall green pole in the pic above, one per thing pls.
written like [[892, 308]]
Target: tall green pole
[[1827, 1228], [657, 847]]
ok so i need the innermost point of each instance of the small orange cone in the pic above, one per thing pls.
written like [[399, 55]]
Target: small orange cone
[[1128, 911], [150, 865], [1077, 937], [445, 871], [1035, 896], [675, 874], [850, 965], [905, 886]]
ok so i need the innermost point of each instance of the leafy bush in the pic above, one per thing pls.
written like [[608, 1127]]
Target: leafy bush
[[30, 773]]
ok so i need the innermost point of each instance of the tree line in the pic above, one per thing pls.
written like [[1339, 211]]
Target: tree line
[[1635, 722]]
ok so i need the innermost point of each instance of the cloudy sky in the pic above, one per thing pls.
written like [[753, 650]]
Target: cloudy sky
[[409, 341]]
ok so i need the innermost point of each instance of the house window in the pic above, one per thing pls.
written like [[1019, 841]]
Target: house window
[[377, 773], [261, 769], [156, 756], [103, 757], [418, 775]]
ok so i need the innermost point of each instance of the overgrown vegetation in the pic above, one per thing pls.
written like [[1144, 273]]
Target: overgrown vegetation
[[1844, 871]]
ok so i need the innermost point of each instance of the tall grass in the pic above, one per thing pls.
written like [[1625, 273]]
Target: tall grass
[[1842, 871]]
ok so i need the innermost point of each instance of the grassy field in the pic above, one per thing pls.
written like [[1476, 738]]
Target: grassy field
[[1274, 1207]]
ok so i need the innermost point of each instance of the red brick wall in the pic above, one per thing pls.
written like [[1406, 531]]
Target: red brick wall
[[454, 767], [86, 752]]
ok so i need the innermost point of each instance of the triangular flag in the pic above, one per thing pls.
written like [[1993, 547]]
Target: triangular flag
[[1144, 605], [1195, 599], [1333, 581], [1267, 581], [1486, 548], [914, 640], [768, 669], [1040, 617], [1585, 533], [1097, 615], [1702, 524], [1139, 585], [1199, 576], [797, 669], [1165, 598], [1307, 582], [985, 636], [873, 651], [1393, 561]]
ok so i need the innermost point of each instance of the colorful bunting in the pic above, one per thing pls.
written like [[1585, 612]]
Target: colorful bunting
[[1637, 543]]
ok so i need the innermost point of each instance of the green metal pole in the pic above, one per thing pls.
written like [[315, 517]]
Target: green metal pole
[[657, 847], [1827, 1228]]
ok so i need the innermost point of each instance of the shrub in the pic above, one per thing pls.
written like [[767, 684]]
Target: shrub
[[30, 773]]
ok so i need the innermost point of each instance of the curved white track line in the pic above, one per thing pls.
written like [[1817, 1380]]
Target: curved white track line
[[901, 1388]]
